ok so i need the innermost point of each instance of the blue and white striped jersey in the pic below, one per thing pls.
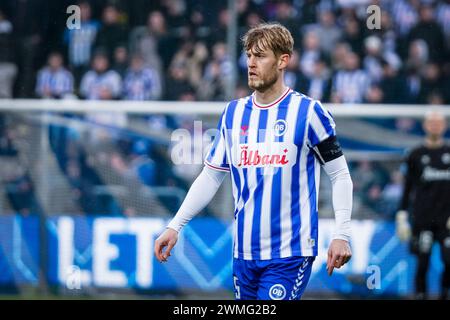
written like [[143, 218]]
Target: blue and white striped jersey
[[80, 42], [57, 82], [275, 176]]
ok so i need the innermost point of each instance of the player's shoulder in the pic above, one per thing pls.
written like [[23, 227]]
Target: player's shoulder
[[415, 151], [237, 102], [305, 100], [301, 95], [312, 101]]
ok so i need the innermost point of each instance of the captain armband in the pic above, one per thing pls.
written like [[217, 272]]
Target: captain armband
[[327, 150]]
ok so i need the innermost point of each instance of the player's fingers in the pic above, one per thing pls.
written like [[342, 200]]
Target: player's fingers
[[331, 265], [347, 257], [161, 246], [330, 270], [169, 248], [158, 250], [329, 261], [343, 258], [338, 261]]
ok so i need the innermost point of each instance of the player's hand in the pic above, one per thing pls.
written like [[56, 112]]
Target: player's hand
[[167, 239], [339, 254], [402, 227]]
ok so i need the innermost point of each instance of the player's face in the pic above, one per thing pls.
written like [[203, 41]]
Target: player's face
[[263, 69], [435, 125]]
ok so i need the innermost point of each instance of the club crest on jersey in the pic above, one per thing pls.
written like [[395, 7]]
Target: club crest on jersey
[[425, 159], [280, 127], [277, 292]]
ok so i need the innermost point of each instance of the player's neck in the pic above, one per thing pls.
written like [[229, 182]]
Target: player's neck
[[433, 143], [271, 94]]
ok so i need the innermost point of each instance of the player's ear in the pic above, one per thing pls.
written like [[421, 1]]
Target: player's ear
[[283, 61]]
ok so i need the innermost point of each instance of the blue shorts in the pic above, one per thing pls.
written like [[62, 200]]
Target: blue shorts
[[276, 279]]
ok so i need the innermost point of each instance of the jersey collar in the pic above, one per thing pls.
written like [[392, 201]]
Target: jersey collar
[[271, 104]]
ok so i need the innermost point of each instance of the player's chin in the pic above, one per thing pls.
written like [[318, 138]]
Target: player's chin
[[255, 85]]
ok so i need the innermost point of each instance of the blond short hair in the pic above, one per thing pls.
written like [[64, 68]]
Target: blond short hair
[[272, 36]]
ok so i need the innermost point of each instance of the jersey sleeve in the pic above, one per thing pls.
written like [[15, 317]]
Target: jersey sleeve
[[321, 125], [216, 158]]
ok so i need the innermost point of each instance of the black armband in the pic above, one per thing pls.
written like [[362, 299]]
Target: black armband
[[327, 150]]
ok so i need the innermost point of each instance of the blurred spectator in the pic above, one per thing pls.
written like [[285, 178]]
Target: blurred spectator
[[217, 74], [193, 57], [287, 16], [418, 54], [220, 28], [328, 32], [293, 77], [339, 55], [353, 34], [82, 191], [413, 85], [100, 82], [307, 11], [404, 14], [443, 18], [80, 41], [54, 81], [243, 8], [405, 125], [318, 85], [141, 83], [153, 42], [197, 60], [310, 52], [8, 70], [393, 85], [320, 81], [351, 84], [30, 23], [374, 94], [242, 90], [373, 57], [112, 33], [120, 64], [435, 98], [7, 147], [176, 17], [177, 82], [432, 82], [372, 198], [145, 170], [369, 180], [20, 191], [430, 31], [389, 39], [199, 28]]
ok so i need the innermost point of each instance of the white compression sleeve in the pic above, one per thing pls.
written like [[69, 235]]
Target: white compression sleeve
[[199, 195], [342, 193]]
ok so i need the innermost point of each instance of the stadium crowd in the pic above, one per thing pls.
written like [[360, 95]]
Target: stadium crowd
[[176, 50]]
